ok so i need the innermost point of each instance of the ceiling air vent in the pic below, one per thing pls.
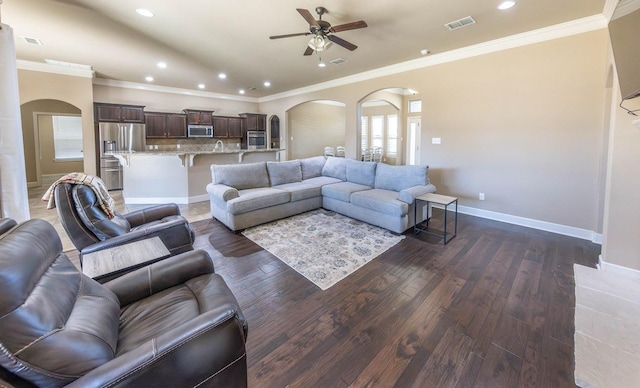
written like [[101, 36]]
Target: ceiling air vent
[[32, 40], [338, 61], [466, 21]]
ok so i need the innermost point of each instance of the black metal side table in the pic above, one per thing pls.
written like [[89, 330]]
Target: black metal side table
[[431, 198]]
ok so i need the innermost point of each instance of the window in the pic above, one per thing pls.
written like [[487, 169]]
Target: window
[[364, 142], [67, 137], [377, 131], [415, 106], [392, 136]]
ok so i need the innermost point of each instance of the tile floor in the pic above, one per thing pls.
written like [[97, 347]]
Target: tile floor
[[192, 212]]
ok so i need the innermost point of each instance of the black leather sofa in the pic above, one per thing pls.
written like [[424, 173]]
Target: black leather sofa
[[174, 323], [91, 230]]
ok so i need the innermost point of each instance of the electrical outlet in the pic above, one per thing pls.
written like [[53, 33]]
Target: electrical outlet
[[481, 196]]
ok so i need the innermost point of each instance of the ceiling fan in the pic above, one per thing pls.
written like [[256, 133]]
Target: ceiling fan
[[322, 31]]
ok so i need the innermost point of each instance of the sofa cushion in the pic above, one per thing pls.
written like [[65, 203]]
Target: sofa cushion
[[321, 181], [312, 167], [335, 168], [383, 201], [300, 191], [254, 199], [241, 176], [284, 172], [363, 173], [398, 178], [342, 191]]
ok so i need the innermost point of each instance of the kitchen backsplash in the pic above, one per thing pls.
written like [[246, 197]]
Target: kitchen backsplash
[[198, 144]]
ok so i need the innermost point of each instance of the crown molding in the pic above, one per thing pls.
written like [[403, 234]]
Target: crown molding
[[621, 8], [55, 69], [168, 89], [562, 30]]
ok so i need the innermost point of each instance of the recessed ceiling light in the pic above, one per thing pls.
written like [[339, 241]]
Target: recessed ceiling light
[[424, 51], [201, 86], [506, 4], [267, 83], [144, 12], [222, 76], [322, 64], [162, 65], [149, 78], [241, 91]]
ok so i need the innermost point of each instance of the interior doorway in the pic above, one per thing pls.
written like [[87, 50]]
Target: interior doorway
[[413, 145]]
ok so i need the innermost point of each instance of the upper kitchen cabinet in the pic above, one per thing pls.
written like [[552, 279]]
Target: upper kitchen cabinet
[[117, 113], [199, 117], [255, 121], [228, 127], [236, 125], [166, 125]]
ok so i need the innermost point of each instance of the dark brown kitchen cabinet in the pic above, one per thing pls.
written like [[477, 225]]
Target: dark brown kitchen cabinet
[[176, 125], [220, 126], [199, 117], [254, 121], [117, 113], [236, 125], [228, 127], [166, 125]]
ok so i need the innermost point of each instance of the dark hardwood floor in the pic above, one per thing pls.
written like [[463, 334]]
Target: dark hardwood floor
[[493, 308]]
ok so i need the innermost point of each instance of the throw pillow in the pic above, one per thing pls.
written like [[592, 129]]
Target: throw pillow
[[335, 167], [241, 176], [363, 173], [398, 178], [312, 167], [284, 172]]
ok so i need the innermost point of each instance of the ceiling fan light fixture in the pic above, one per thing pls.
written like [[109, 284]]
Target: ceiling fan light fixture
[[319, 43]]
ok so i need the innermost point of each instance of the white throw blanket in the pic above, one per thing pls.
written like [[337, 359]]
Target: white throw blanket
[[105, 201]]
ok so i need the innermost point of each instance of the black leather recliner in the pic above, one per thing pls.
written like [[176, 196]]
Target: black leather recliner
[[91, 230], [173, 323]]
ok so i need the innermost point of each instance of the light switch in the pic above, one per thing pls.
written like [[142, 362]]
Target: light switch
[[435, 140]]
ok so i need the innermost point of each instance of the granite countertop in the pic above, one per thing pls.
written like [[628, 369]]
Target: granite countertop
[[180, 152]]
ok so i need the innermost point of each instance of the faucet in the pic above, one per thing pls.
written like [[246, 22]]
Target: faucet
[[219, 142]]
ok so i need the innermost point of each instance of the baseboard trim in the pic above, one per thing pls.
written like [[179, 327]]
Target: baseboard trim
[[535, 224], [610, 267], [161, 200]]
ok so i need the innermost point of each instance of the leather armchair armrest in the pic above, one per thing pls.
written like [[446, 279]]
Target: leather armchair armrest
[[152, 213], [409, 195], [222, 192], [159, 276], [208, 349], [172, 230]]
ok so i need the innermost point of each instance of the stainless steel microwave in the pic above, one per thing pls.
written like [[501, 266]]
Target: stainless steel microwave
[[200, 130]]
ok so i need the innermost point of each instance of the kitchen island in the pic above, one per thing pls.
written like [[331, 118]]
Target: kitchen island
[[178, 176]]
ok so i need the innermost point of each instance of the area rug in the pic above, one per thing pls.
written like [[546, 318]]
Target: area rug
[[323, 246]]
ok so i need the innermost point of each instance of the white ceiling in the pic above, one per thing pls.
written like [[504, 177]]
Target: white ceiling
[[200, 38]]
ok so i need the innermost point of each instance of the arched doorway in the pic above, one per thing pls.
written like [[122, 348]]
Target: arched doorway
[[382, 116], [52, 140], [314, 125]]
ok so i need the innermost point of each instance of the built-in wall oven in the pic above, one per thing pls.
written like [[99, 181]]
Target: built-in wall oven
[[256, 140]]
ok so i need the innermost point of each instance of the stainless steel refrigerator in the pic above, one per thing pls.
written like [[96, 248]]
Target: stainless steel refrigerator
[[118, 137]]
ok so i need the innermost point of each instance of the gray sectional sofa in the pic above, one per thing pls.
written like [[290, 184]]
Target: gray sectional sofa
[[245, 195]]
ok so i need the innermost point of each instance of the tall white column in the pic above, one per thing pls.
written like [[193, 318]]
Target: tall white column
[[14, 201]]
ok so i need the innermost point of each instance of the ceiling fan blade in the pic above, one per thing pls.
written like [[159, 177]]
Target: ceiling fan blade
[[308, 51], [308, 17], [342, 42], [349, 26], [289, 35]]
